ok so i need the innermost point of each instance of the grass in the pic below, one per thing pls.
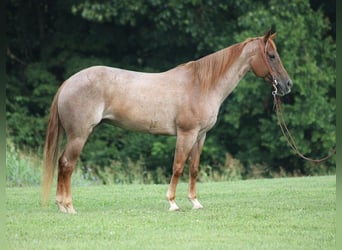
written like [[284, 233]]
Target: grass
[[288, 213]]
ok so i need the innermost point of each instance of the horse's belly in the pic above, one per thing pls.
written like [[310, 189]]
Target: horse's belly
[[145, 103], [154, 121], [152, 126]]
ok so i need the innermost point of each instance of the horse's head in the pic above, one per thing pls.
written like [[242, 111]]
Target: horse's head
[[267, 64]]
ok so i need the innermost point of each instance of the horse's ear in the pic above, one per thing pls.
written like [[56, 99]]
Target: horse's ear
[[268, 35], [273, 36]]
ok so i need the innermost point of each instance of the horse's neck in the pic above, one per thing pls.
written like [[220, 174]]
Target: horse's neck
[[232, 76]]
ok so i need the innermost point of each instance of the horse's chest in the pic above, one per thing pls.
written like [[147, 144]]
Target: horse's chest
[[209, 122], [198, 119]]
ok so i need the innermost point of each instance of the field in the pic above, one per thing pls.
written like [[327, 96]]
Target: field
[[287, 213]]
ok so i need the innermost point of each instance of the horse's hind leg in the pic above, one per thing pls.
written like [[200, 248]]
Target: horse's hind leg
[[66, 166]]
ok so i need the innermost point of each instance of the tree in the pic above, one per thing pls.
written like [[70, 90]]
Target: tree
[[309, 56], [48, 41]]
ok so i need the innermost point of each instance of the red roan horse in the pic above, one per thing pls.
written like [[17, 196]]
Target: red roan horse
[[183, 101]]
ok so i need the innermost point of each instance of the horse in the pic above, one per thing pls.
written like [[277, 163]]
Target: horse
[[183, 102]]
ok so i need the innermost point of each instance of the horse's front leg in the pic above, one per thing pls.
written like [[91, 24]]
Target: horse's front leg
[[194, 161], [184, 144]]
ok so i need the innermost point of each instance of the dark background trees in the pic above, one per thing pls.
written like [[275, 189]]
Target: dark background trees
[[48, 41]]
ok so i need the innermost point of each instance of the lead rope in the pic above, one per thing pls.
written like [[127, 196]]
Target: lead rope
[[286, 132]]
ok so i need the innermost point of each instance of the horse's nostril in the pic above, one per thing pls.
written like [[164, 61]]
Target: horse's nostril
[[289, 83]]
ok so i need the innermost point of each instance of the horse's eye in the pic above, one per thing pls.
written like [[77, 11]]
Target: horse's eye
[[271, 56]]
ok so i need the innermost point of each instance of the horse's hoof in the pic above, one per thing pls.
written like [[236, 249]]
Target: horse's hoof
[[174, 207], [196, 204], [197, 207], [71, 210], [65, 209], [61, 208]]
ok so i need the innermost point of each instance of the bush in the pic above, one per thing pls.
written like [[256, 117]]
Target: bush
[[45, 48], [22, 169]]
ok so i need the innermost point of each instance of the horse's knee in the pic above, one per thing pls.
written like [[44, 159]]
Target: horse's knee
[[64, 165], [193, 173], [71, 154], [178, 170]]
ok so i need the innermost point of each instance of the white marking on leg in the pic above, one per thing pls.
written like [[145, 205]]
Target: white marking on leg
[[196, 204], [173, 206], [61, 208], [70, 209]]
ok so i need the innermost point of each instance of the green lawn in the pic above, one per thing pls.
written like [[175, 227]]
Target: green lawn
[[288, 213]]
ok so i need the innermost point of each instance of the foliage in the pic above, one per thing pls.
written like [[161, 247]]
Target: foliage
[[309, 110], [21, 169], [286, 213], [48, 41]]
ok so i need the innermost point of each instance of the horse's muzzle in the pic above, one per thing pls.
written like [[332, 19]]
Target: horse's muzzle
[[282, 89]]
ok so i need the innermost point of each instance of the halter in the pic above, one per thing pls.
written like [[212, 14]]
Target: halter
[[270, 76]]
